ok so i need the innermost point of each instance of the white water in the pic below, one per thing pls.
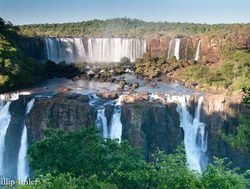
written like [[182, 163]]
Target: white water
[[73, 50], [195, 136], [116, 125], [170, 48], [4, 123], [197, 54], [22, 165], [174, 48], [177, 48], [101, 122]]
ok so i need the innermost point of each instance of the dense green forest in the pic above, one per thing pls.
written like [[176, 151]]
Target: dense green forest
[[82, 159], [16, 69], [127, 27]]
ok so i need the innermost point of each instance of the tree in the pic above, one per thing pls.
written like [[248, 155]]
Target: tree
[[82, 159]]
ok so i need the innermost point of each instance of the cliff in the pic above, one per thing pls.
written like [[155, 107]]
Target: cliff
[[145, 124], [67, 112], [210, 47], [221, 114], [151, 126]]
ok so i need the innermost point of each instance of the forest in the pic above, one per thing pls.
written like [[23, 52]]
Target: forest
[[16, 69], [127, 27]]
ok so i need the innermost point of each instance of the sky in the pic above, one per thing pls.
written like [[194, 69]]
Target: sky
[[58, 11]]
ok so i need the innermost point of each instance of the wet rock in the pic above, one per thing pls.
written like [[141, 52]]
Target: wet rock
[[135, 85], [135, 97], [153, 84], [61, 89], [120, 84], [109, 94]]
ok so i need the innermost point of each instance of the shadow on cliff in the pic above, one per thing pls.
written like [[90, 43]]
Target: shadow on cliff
[[225, 122]]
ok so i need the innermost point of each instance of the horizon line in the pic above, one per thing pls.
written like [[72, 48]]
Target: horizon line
[[139, 19]]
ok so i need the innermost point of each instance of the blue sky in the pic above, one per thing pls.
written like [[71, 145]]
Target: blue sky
[[58, 11]]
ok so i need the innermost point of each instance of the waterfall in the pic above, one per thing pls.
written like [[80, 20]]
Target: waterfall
[[116, 125], [197, 54], [22, 166], [195, 135], [4, 123], [177, 48], [174, 48], [170, 48], [73, 50], [101, 122]]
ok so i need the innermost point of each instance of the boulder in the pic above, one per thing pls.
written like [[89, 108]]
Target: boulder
[[109, 94]]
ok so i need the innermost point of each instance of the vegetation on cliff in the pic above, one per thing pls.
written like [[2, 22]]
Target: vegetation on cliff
[[241, 140], [82, 159], [232, 74], [16, 69]]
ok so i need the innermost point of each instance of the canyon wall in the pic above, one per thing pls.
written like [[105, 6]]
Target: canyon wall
[[145, 124]]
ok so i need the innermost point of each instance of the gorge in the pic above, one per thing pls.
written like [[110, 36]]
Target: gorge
[[148, 123], [154, 97]]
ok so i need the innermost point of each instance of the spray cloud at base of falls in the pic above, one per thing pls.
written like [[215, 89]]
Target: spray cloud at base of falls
[[195, 134], [23, 166]]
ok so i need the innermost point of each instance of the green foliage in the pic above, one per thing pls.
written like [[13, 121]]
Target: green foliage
[[241, 140], [124, 60], [67, 181], [128, 28], [218, 175], [16, 69], [82, 159], [152, 67], [246, 97], [232, 74]]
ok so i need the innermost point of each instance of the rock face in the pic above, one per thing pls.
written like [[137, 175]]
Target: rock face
[[146, 124], [158, 45], [67, 112], [151, 126], [221, 114]]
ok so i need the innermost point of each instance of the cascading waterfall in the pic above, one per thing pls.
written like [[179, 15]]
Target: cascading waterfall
[[72, 50], [101, 122], [116, 125], [5, 118], [177, 48], [22, 166], [174, 48], [170, 48], [195, 135], [197, 54]]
